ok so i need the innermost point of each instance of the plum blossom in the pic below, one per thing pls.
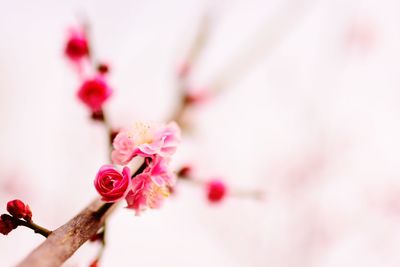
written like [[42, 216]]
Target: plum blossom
[[19, 209], [94, 93], [151, 186], [216, 190], [111, 184], [146, 140], [7, 224], [77, 47]]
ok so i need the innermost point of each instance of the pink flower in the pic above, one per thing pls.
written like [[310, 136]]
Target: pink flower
[[145, 194], [216, 190], [150, 187], [94, 92], [123, 148], [146, 140], [77, 46], [18, 209], [111, 184]]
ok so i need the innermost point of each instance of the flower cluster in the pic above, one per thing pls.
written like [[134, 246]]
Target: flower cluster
[[156, 144], [94, 90], [17, 210]]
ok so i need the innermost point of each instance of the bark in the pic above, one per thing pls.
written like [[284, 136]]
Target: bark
[[64, 241]]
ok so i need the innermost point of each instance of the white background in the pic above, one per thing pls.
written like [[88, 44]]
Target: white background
[[310, 114]]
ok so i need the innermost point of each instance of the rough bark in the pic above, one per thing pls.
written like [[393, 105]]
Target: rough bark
[[64, 241]]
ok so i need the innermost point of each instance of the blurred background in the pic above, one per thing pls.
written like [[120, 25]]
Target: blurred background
[[307, 110]]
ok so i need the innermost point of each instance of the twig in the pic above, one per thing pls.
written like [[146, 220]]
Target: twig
[[30, 224]]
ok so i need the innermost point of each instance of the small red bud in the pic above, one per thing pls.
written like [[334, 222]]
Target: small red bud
[[103, 68], [216, 190], [185, 171], [18, 209], [77, 47], [94, 263], [7, 224]]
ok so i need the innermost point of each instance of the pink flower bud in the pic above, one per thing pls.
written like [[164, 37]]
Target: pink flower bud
[[7, 224], [94, 92], [111, 184], [77, 46], [18, 209], [216, 190]]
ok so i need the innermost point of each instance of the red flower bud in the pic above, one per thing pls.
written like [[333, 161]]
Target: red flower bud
[[18, 209], [94, 93], [103, 68], [77, 46], [216, 190], [7, 224], [94, 263], [185, 171]]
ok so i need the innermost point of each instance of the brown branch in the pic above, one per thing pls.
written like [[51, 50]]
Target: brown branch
[[30, 224], [64, 241]]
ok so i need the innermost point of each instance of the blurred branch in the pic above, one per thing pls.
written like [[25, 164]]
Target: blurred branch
[[272, 33]]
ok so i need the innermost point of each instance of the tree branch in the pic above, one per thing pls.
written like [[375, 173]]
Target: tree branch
[[64, 241]]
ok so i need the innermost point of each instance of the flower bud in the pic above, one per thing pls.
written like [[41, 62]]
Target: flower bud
[[216, 190], [111, 184], [94, 93], [19, 210], [185, 171], [103, 68], [77, 46], [7, 224], [94, 263]]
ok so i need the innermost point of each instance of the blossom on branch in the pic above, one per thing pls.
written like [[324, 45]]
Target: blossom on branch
[[151, 186], [111, 184], [77, 47], [19, 210], [216, 190], [7, 224], [94, 93], [146, 140]]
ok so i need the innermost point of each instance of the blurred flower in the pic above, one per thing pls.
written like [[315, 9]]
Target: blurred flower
[[146, 140], [111, 184], [18, 209], [123, 148], [94, 93], [216, 190], [77, 46], [7, 224]]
